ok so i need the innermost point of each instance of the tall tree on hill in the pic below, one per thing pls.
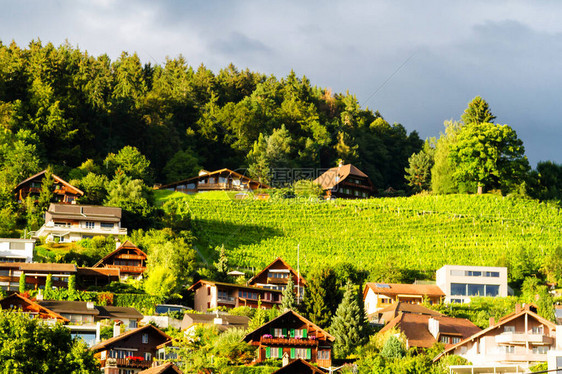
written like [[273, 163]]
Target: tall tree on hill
[[477, 112], [322, 296], [349, 325], [289, 301], [418, 173]]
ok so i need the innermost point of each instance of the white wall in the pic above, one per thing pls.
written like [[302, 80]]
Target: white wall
[[10, 248]]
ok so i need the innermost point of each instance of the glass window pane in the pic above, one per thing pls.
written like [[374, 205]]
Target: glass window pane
[[476, 290], [492, 290], [458, 289]]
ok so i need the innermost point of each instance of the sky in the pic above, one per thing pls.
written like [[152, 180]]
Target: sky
[[418, 63]]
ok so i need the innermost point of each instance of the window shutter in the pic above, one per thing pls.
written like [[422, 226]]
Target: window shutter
[[267, 352], [304, 333], [292, 333], [285, 332], [280, 352], [292, 352], [308, 354], [272, 332]]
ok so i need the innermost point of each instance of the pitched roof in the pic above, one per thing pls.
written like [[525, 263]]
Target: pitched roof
[[55, 177], [278, 259], [125, 245], [257, 333], [46, 267], [34, 304], [209, 173], [126, 334], [190, 319], [69, 307], [85, 212], [231, 285], [404, 289], [415, 327], [118, 312], [166, 368], [508, 318], [337, 174], [395, 309], [300, 366], [100, 272]]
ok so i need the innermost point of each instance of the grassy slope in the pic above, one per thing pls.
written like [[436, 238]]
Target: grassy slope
[[420, 232]]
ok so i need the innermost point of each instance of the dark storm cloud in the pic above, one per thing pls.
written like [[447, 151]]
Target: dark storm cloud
[[505, 51]]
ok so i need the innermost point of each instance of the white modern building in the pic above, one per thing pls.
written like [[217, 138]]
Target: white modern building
[[16, 250], [459, 283], [70, 223]]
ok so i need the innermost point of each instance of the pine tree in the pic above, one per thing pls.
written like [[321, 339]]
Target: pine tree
[[477, 112], [22, 283], [259, 317], [48, 285], [322, 297], [349, 325], [72, 284], [289, 301], [222, 265]]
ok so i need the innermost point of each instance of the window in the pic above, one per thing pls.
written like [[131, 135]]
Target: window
[[455, 340], [476, 290], [323, 355], [458, 289], [457, 273], [144, 338], [509, 329], [278, 333], [493, 274], [304, 353], [132, 324], [471, 273], [273, 352], [248, 295], [208, 291], [444, 339], [457, 301], [147, 356], [105, 225], [537, 330], [492, 290], [17, 246], [509, 349], [89, 225], [541, 350]]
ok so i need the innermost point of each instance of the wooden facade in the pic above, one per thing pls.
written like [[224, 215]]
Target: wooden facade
[[133, 350], [128, 258], [63, 192], [218, 180], [35, 274], [20, 303], [345, 181], [276, 275], [294, 336]]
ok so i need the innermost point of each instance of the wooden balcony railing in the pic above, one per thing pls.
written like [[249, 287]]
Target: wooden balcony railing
[[288, 341], [125, 362]]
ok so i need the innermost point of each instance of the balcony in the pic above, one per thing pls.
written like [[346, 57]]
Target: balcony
[[74, 228], [128, 363], [128, 269], [226, 300], [283, 281], [522, 338], [306, 342], [126, 256], [515, 357]]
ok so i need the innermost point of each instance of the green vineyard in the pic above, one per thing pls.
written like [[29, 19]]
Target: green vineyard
[[420, 232]]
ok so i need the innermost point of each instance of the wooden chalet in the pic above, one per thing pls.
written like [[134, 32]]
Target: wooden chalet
[[35, 274], [87, 277], [276, 275], [133, 350], [300, 366], [20, 303], [295, 336], [167, 368], [218, 180], [345, 181], [128, 258], [63, 192]]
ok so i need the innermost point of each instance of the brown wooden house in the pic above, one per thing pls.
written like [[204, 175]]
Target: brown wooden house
[[20, 303], [300, 366], [63, 192], [345, 181], [294, 335], [167, 368], [133, 350], [218, 180], [128, 258], [276, 275]]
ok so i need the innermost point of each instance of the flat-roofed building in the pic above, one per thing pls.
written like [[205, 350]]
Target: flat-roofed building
[[16, 250], [459, 283]]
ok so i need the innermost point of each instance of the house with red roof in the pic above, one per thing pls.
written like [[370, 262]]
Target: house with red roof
[[63, 192], [345, 181], [276, 275], [377, 296], [128, 258]]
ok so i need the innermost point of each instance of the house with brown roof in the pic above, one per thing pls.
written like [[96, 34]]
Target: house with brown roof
[[221, 321], [210, 295], [392, 311], [128, 316], [70, 223], [300, 366], [21, 303], [87, 277], [218, 180], [377, 296], [345, 181], [63, 192], [293, 335], [128, 258], [519, 339], [167, 368], [423, 331], [276, 275], [35, 274], [133, 350]]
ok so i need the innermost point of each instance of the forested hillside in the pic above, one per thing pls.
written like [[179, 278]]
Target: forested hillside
[[384, 236], [71, 106]]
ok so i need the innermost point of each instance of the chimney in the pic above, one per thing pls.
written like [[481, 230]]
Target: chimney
[[492, 321], [433, 326], [90, 305], [285, 359], [517, 308], [340, 163], [39, 296], [117, 244], [117, 328]]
